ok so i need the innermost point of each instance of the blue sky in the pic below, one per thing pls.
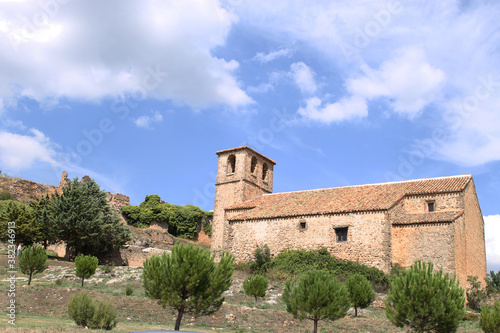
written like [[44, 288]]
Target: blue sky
[[141, 94]]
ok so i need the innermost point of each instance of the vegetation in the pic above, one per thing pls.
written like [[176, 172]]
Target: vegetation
[[43, 213], [5, 195], [255, 286], [360, 292], [85, 220], [188, 280], [490, 318], [493, 282], [475, 293], [262, 259], [316, 295], [27, 230], [108, 268], [95, 314], [85, 266], [32, 260], [182, 220], [129, 291], [425, 300]]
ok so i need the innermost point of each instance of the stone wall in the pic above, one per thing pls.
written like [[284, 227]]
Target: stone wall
[[368, 237], [442, 202]]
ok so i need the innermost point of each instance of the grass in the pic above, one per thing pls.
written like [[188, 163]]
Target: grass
[[42, 307]]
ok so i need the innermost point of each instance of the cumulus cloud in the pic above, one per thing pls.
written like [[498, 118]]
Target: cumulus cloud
[[146, 121], [160, 49], [345, 109], [21, 151], [303, 77], [492, 235], [264, 58]]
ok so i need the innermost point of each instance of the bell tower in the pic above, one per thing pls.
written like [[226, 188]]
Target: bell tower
[[242, 174]]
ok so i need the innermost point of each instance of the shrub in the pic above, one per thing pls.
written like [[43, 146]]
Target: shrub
[[108, 268], [425, 300], [129, 290], [360, 292], [96, 314], [262, 259], [316, 295], [80, 308], [490, 318], [33, 260], [493, 282], [5, 195], [255, 286], [59, 282], [85, 266], [104, 315], [475, 293]]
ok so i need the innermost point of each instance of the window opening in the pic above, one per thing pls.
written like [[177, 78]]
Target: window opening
[[264, 171], [341, 234], [302, 225], [231, 164], [253, 164], [430, 207]]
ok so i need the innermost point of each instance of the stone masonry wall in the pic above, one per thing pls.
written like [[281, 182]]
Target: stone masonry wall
[[368, 237], [474, 232], [442, 202]]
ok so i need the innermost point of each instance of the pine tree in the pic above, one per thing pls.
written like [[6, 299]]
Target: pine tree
[[27, 230], [86, 222], [425, 301], [42, 210], [493, 282], [490, 318], [316, 295], [33, 260], [85, 266], [360, 292], [255, 286], [188, 280]]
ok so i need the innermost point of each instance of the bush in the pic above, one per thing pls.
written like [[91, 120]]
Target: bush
[[490, 318], [108, 268], [425, 300], [129, 290], [95, 314], [316, 295], [85, 266], [262, 259], [5, 195], [475, 293], [33, 260], [255, 286], [493, 282], [360, 292], [59, 282]]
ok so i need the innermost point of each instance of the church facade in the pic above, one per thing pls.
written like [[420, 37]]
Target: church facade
[[433, 219]]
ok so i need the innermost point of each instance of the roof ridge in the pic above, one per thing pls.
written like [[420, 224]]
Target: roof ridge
[[371, 184]]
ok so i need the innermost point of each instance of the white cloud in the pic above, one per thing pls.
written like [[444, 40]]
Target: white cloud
[[303, 77], [492, 235], [146, 121], [264, 58], [21, 151], [162, 49], [345, 109]]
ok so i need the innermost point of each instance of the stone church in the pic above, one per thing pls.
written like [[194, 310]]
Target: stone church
[[433, 219]]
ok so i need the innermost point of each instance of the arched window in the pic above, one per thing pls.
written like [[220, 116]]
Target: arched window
[[264, 171], [253, 164], [231, 164]]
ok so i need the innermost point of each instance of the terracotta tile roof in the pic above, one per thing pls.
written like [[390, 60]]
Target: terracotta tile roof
[[433, 217], [359, 198]]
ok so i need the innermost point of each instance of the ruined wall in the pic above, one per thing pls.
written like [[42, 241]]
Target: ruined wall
[[474, 235], [368, 237]]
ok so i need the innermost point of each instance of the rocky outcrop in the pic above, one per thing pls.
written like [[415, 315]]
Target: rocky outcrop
[[24, 190]]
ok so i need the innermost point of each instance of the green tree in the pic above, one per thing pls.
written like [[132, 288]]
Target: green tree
[[85, 266], [95, 314], [493, 282], [316, 295], [86, 222], [27, 230], [255, 286], [476, 294], [42, 211], [262, 259], [33, 260], [490, 318], [425, 301], [188, 280], [360, 291]]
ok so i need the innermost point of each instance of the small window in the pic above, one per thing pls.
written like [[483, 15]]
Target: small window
[[231, 164], [253, 164], [302, 225], [341, 234], [264, 171], [430, 206]]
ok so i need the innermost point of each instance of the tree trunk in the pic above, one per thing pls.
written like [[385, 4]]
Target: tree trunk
[[315, 330], [82, 280], [355, 311], [29, 280], [255, 301], [179, 318]]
